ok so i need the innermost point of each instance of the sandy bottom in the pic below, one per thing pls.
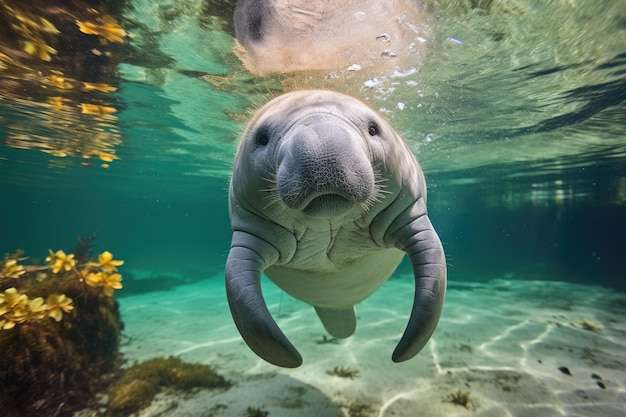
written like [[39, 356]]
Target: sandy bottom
[[506, 343]]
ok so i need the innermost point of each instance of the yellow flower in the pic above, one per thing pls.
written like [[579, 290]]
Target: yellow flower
[[60, 260], [97, 110], [56, 102], [10, 299], [107, 156], [92, 279], [57, 81], [47, 27], [12, 306], [34, 310], [108, 282], [6, 323], [111, 282], [105, 88], [106, 262], [39, 48], [107, 29], [11, 269], [57, 304], [103, 274]]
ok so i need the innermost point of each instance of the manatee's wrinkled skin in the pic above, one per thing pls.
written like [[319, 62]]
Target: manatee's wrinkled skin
[[295, 35], [326, 199]]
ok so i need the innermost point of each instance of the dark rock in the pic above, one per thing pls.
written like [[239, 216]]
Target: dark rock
[[565, 370]]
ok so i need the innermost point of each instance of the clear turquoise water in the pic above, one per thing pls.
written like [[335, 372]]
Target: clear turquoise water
[[520, 130]]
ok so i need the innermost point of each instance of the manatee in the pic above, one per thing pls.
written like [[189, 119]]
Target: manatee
[[325, 199]]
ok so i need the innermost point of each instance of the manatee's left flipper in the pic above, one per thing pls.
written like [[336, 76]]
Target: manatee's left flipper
[[339, 322], [247, 258], [412, 232]]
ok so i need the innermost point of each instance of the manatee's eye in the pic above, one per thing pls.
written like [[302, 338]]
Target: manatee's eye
[[372, 129], [262, 136]]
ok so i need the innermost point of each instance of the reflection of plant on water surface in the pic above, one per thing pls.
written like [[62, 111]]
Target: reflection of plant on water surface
[[55, 64]]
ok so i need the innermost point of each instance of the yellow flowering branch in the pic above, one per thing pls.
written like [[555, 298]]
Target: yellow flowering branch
[[17, 307], [59, 260], [102, 274], [10, 269]]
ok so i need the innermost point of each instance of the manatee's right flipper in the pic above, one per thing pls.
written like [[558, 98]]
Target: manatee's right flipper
[[247, 258], [339, 322]]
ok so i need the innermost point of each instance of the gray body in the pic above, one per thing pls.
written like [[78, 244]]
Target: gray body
[[326, 199]]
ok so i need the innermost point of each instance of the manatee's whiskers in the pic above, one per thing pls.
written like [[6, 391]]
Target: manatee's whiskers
[[273, 200], [271, 180], [378, 193], [272, 196]]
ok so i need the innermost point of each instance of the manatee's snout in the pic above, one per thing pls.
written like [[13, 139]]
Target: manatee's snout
[[323, 167]]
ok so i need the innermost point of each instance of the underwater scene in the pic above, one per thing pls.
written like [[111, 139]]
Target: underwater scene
[[313, 208]]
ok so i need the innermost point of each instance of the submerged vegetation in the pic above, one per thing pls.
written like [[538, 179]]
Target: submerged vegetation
[[591, 326], [59, 331], [461, 398], [343, 372], [327, 340], [358, 409], [140, 383], [256, 412], [59, 336], [16, 306]]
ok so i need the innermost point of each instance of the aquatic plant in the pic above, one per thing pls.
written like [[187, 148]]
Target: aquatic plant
[[17, 308], [358, 409], [57, 305], [106, 262], [83, 250], [461, 398], [10, 269], [102, 274], [327, 340], [59, 336], [60, 261], [591, 326], [343, 372], [108, 282], [140, 383], [256, 412]]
